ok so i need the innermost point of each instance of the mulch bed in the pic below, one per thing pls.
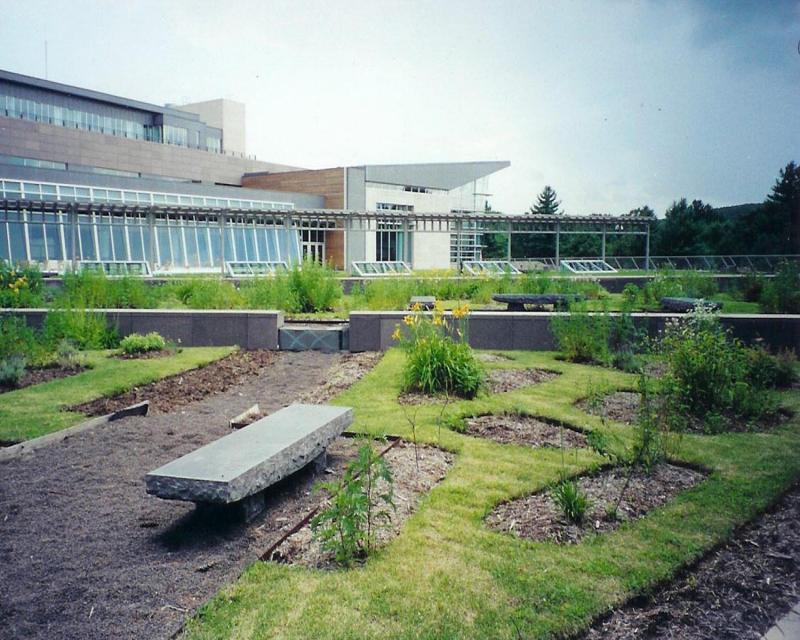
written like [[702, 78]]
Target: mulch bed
[[147, 355], [537, 517], [410, 485], [492, 357], [179, 390], [505, 380], [736, 592], [44, 374], [511, 428], [86, 553], [623, 406]]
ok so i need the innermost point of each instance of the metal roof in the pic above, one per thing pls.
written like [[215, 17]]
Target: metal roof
[[436, 175]]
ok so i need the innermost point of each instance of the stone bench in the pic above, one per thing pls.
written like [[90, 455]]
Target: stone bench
[[685, 305], [237, 468], [518, 301]]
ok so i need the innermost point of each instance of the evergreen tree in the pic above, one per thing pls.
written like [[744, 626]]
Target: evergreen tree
[[547, 203], [783, 207]]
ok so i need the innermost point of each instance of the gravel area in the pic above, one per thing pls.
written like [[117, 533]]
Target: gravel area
[[86, 553], [505, 380], [512, 428], [622, 406], [537, 517], [737, 592]]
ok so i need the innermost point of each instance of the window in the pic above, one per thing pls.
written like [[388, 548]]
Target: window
[[389, 242], [391, 206]]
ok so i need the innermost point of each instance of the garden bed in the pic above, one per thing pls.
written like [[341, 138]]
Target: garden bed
[[505, 380], [39, 375], [410, 485], [177, 391], [537, 517], [738, 591], [511, 428]]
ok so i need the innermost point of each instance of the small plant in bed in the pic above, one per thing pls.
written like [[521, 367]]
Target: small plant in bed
[[438, 357], [136, 344], [571, 500], [11, 371], [360, 503]]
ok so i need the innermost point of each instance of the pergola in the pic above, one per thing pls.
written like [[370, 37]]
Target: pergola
[[461, 225]]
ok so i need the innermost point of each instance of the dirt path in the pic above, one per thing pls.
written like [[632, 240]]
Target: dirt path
[[85, 553]]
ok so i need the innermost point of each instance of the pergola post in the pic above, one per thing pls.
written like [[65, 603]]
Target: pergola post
[[73, 232], [647, 249], [603, 244], [151, 225], [558, 246], [508, 244], [222, 243]]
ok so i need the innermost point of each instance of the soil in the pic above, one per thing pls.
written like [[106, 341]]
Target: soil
[[537, 517], [510, 428], [492, 357], [736, 592], [352, 367], [148, 355], [410, 485], [44, 374], [184, 388], [86, 553], [623, 406], [504, 380]]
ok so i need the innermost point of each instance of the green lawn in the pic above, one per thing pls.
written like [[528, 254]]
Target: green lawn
[[448, 576], [34, 411]]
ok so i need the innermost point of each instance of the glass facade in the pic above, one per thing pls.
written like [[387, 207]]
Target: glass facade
[[188, 240]]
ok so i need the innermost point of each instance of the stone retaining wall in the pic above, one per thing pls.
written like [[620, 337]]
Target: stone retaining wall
[[372, 330], [248, 329]]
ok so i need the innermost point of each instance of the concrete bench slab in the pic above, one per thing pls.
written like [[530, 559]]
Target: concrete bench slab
[[685, 305], [252, 459], [517, 301], [426, 302]]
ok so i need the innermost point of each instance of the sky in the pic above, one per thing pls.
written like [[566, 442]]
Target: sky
[[614, 104]]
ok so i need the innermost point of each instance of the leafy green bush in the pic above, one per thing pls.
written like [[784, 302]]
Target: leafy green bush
[[571, 500], [11, 371], [138, 343], [751, 286], [583, 337], [94, 290], [313, 287], [267, 293], [710, 374], [18, 339], [207, 293], [437, 362], [781, 294], [359, 505], [84, 328], [67, 355], [20, 286]]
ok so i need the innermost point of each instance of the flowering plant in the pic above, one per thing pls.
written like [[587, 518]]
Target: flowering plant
[[438, 357], [19, 286]]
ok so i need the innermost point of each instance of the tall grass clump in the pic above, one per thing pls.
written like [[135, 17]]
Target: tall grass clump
[[313, 287], [85, 328], [94, 290], [438, 357], [207, 293]]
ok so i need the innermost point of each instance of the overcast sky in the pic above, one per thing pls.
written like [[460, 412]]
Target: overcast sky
[[614, 104]]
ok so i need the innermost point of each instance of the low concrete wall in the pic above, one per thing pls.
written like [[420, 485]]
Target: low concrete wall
[[372, 330], [248, 329]]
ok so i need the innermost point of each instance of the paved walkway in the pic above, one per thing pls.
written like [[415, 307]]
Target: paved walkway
[[787, 628]]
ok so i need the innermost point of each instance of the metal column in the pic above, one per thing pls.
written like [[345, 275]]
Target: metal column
[[508, 244], [558, 245], [603, 245], [647, 249]]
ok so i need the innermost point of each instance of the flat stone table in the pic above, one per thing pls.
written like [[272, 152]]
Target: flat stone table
[[238, 467], [517, 301], [426, 302]]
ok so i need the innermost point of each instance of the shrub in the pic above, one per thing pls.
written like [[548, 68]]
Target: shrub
[[781, 294], [11, 371], [359, 505], [20, 286], [751, 287], [208, 293], [67, 355], [313, 287], [267, 293], [571, 500], [768, 371], [438, 358], [18, 339], [709, 374], [84, 328], [137, 343], [583, 337]]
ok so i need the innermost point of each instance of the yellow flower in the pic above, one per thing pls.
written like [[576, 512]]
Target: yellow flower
[[397, 336], [437, 321], [438, 306], [461, 311], [416, 307], [409, 320]]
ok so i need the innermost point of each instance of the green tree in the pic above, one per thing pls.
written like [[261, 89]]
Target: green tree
[[547, 203], [783, 205]]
